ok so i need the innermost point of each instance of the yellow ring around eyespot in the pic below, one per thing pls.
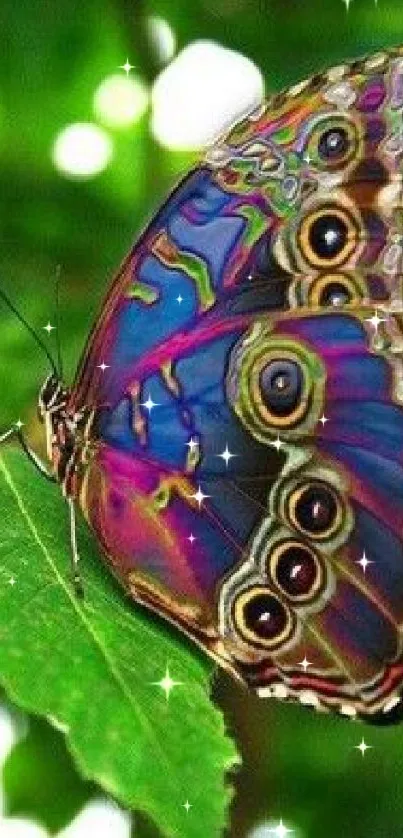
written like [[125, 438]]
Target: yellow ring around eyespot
[[255, 349], [242, 600], [272, 564], [295, 496], [265, 413], [328, 124], [319, 285], [352, 238]]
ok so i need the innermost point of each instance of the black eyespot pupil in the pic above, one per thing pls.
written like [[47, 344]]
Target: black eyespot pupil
[[335, 294], [296, 570], [316, 509], [281, 386], [328, 235], [265, 616], [333, 144]]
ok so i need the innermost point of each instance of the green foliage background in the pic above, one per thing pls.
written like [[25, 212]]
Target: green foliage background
[[297, 766]]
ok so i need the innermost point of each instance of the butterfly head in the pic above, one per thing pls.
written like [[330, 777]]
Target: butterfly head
[[52, 396]]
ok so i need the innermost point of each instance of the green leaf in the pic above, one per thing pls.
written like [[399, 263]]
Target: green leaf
[[40, 781], [90, 666], [144, 828]]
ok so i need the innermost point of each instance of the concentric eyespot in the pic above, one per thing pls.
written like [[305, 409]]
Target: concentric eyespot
[[296, 570], [261, 618], [333, 144], [283, 389], [335, 294], [275, 384], [315, 509], [335, 290], [328, 237]]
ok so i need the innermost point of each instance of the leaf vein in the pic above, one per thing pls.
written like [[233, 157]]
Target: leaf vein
[[73, 601]]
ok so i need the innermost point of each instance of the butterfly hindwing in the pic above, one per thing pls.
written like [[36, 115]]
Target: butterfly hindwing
[[329, 551]]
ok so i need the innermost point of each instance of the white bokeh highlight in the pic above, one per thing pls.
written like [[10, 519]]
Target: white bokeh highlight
[[99, 818], [120, 101], [82, 150], [201, 93], [274, 830], [20, 828], [162, 38]]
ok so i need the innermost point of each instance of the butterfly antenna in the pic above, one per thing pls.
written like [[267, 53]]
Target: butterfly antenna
[[30, 329], [57, 317]]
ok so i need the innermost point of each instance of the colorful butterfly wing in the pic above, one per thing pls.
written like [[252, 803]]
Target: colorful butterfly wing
[[305, 190], [249, 285], [171, 512], [195, 249], [329, 553], [327, 154], [153, 374]]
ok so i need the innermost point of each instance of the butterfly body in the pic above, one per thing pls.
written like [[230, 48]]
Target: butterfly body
[[233, 436]]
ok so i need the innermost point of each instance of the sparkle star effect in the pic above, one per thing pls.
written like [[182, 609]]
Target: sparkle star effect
[[149, 404], [192, 444], [305, 663], [127, 67], [49, 328], [323, 419], [364, 562], [200, 496], [281, 831], [363, 747], [167, 684], [12, 581], [191, 538], [103, 366], [179, 299], [277, 443], [226, 455], [187, 806], [375, 320], [19, 424]]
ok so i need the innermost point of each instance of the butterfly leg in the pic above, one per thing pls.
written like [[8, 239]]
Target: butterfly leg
[[75, 558], [32, 456]]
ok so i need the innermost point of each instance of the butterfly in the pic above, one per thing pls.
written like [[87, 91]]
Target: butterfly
[[234, 432]]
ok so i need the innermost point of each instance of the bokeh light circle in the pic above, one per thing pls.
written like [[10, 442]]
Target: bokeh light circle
[[82, 150], [162, 37], [120, 101]]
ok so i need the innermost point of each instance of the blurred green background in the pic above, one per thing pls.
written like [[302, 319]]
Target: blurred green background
[[298, 767]]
